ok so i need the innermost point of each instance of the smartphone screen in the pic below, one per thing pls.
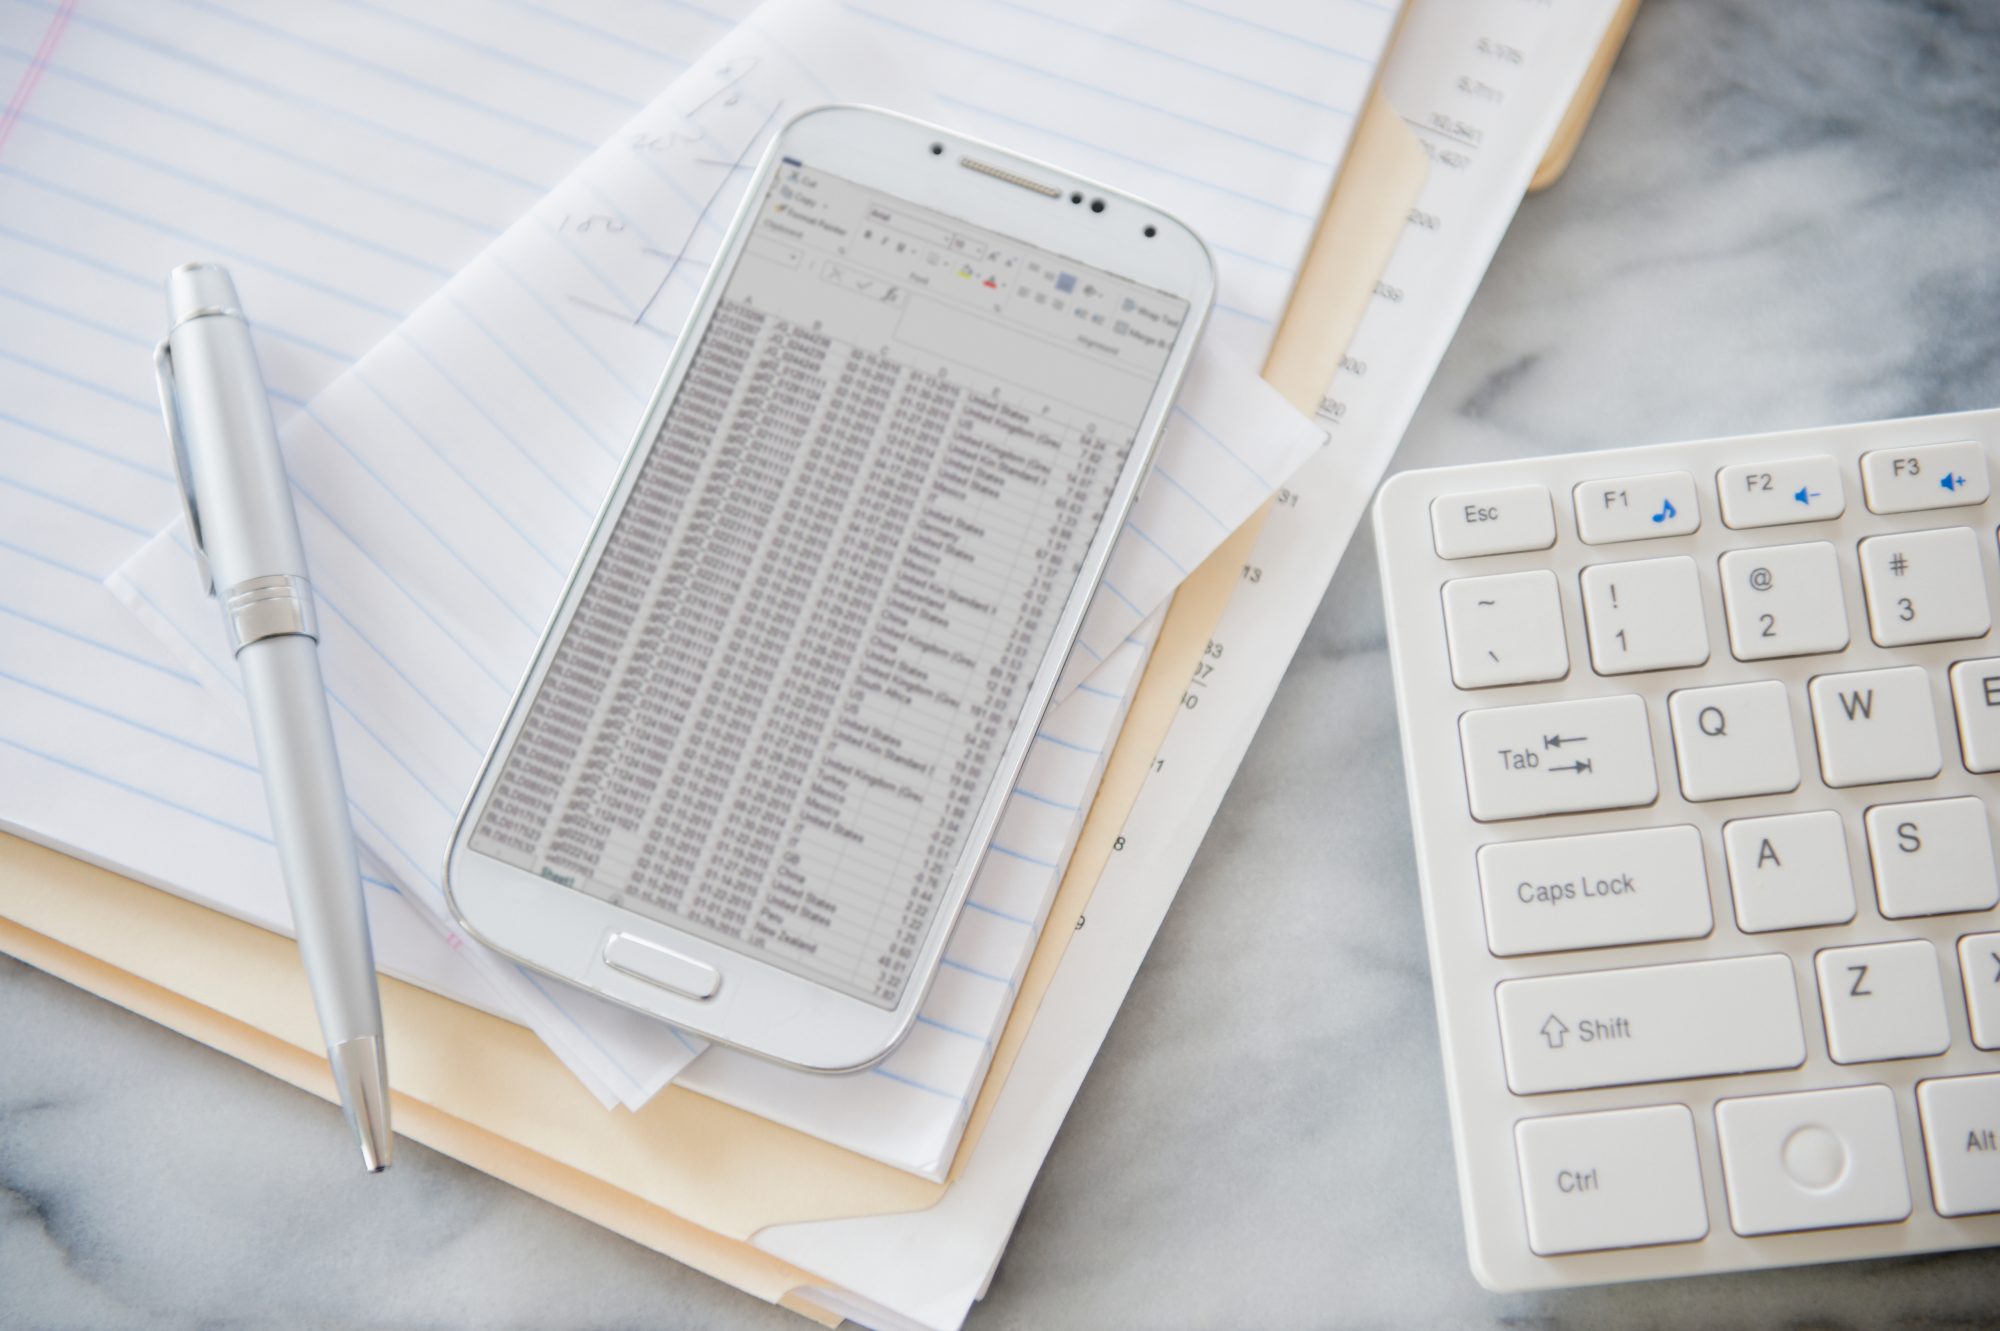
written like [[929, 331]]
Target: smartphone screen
[[791, 676]]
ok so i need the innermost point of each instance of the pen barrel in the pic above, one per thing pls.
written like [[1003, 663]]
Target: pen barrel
[[242, 498], [313, 831]]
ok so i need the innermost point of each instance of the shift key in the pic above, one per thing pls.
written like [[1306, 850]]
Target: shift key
[[1558, 757], [1652, 1023]]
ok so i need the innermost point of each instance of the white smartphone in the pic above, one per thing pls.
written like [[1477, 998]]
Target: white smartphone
[[769, 732]]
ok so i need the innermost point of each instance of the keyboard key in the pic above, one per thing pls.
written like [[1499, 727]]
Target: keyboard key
[[1557, 757], [1734, 740], [1962, 1142], [1875, 726], [1812, 1160], [1903, 480], [1882, 1001], [1783, 600], [1636, 508], [1772, 494], [1789, 871], [1975, 696], [1932, 857], [1505, 630], [1623, 1178], [1656, 1023], [1644, 615], [1979, 967], [1493, 522], [1924, 586], [1605, 890]]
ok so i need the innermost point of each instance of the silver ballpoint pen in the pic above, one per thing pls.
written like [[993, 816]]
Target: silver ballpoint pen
[[248, 553]]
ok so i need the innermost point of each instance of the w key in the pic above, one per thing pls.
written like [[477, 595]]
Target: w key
[[1875, 726]]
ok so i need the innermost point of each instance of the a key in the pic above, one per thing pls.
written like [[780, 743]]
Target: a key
[[1493, 522], [1812, 1160], [1875, 726], [1734, 740], [1636, 508], [1882, 1000], [1932, 857], [1783, 600], [1789, 871], [1655, 1023], [1644, 615], [1557, 757], [1623, 1178], [1903, 480], [1962, 1142], [1924, 586], [1771, 494], [1506, 629], [1975, 697], [1979, 968], [1606, 890]]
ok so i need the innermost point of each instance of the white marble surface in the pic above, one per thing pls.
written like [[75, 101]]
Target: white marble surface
[[1784, 216]]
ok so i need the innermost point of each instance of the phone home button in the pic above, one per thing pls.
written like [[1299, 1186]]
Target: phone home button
[[656, 965]]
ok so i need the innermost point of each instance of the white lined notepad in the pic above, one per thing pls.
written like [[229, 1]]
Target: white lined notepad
[[440, 481], [344, 159]]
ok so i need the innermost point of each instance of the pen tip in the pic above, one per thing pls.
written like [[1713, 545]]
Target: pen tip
[[361, 1076]]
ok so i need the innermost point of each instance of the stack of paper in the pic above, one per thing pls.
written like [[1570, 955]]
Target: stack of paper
[[922, 1259], [344, 160], [446, 482]]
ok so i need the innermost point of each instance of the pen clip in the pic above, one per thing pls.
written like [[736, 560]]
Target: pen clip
[[163, 372]]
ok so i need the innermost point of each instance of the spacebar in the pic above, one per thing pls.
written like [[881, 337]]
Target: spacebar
[[1655, 1023]]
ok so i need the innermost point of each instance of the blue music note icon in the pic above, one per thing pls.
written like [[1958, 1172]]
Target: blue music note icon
[[1666, 510]]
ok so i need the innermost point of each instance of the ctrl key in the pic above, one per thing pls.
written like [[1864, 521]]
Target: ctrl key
[[1621, 1178]]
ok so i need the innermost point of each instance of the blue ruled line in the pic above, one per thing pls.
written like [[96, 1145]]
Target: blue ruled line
[[496, 53], [527, 372], [361, 375], [1083, 85], [70, 441], [134, 657], [381, 71], [1343, 112], [200, 242], [395, 496], [1165, 553], [602, 34], [1013, 854], [133, 722], [914, 1084], [1215, 439], [962, 1033], [1027, 794], [227, 74], [1191, 496], [975, 972], [235, 135], [151, 409], [74, 506], [984, 909], [554, 481], [306, 220]]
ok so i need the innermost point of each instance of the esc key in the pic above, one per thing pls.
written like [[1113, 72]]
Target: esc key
[[1493, 522]]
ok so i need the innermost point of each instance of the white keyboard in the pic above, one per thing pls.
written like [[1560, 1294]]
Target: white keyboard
[[1698, 741]]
